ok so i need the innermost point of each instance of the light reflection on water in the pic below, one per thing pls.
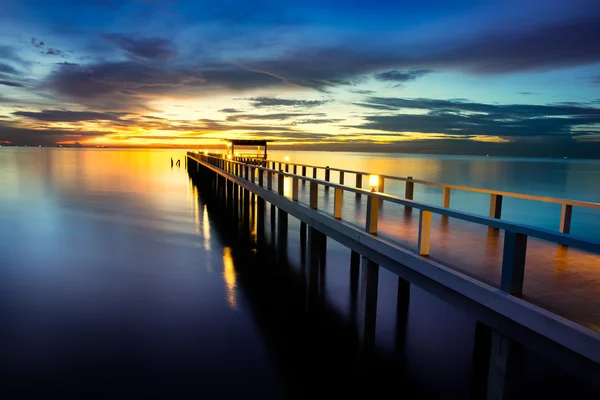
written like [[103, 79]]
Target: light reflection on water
[[229, 277]]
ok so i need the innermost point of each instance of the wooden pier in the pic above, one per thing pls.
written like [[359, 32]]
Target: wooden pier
[[503, 297]]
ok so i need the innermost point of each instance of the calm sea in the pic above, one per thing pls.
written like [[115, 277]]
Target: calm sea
[[120, 277]]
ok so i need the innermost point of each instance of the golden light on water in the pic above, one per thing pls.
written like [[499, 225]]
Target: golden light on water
[[229, 277], [206, 229]]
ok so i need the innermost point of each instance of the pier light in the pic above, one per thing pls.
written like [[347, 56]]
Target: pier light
[[373, 181], [205, 152], [287, 159], [229, 156], [237, 153]]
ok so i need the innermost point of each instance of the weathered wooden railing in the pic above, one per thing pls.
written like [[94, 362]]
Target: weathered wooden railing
[[515, 237], [496, 196]]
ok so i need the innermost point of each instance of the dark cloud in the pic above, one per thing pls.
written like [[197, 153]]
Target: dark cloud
[[401, 76], [45, 137], [151, 48], [320, 121], [464, 118], [230, 110], [67, 116], [13, 84], [596, 80], [124, 84], [7, 69], [53, 52], [563, 43], [37, 43], [276, 116], [260, 102]]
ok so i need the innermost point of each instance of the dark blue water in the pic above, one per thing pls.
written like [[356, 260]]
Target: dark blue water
[[120, 277]]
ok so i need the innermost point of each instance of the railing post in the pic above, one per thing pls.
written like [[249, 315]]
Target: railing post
[[280, 183], [315, 172], [424, 232], [495, 206], [381, 184], [341, 177], [287, 167], [295, 169], [314, 195], [270, 179], [565, 218], [359, 181], [261, 177], [513, 262], [303, 171], [295, 188], [409, 190], [446, 197], [337, 207], [372, 214], [327, 173]]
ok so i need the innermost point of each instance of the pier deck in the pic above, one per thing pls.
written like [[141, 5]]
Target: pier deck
[[557, 296]]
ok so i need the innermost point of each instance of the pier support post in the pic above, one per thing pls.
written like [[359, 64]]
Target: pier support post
[[372, 214], [314, 195], [282, 234], [280, 184], [270, 180], [504, 367], [513, 262], [424, 232], [295, 188], [229, 194], [337, 207], [315, 242], [246, 212], [495, 206], [409, 189], [402, 306], [260, 221], [367, 308], [565, 218], [446, 198]]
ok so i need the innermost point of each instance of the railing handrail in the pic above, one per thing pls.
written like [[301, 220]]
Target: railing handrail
[[540, 233], [546, 199]]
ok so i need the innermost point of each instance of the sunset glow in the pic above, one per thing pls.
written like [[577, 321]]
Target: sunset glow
[[404, 76]]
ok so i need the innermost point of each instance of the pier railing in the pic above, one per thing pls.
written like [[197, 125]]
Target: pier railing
[[496, 196], [515, 234]]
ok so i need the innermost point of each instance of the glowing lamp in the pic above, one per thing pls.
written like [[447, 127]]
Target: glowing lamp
[[229, 156], [287, 159], [205, 152], [373, 181]]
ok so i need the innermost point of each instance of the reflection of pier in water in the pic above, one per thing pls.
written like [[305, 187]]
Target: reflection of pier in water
[[498, 350]]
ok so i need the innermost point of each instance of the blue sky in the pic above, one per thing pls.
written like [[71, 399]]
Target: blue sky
[[508, 77]]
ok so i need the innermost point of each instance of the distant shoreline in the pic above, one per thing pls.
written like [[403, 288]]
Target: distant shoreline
[[274, 148]]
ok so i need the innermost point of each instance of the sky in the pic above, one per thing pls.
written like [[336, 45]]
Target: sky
[[513, 77]]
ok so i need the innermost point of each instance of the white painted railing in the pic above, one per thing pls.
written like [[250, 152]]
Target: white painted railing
[[515, 237]]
